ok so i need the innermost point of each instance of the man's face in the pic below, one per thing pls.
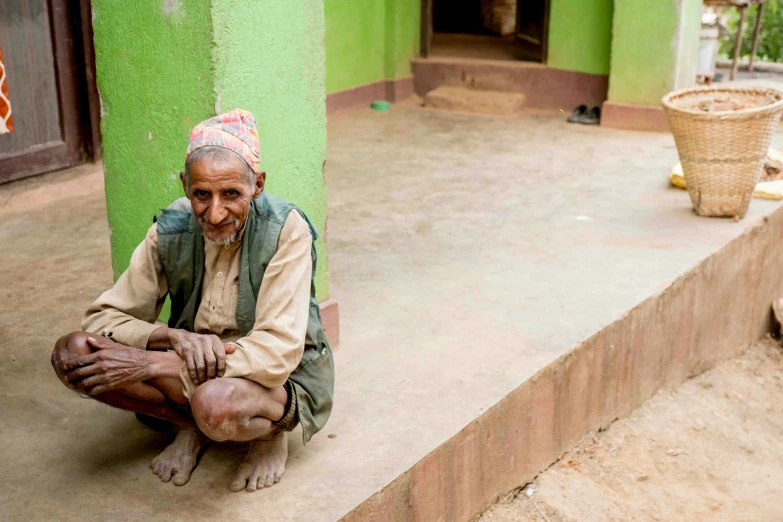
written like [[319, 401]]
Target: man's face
[[220, 195]]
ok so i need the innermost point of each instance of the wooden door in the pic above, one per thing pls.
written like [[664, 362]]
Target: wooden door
[[533, 29], [425, 35], [47, 78]]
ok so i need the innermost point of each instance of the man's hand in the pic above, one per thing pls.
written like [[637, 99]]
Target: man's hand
[[204, 354], [112, 366]]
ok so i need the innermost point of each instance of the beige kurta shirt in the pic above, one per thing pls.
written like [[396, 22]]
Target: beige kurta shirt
[[269, 353]]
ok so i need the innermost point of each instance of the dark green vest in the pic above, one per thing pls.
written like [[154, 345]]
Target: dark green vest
[[181, 252]]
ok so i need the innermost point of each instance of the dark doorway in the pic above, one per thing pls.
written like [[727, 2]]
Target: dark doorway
[[533, 28], [50, 68], [485, 29]]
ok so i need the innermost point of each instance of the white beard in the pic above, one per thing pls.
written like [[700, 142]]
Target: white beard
[[224, 241]]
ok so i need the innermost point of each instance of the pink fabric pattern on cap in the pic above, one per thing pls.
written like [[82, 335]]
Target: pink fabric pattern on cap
[[235, 130]]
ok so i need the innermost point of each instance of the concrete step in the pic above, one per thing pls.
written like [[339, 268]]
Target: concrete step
[[544, 87], [463, 99]]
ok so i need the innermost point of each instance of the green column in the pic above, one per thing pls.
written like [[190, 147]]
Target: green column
[[655, 44], [580, 35], [403, 25], [165, 65]]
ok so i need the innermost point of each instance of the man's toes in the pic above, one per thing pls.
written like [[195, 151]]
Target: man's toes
[[240, 480], [165, 476], [270, 481], [238, 484], [180, 478], [277, 478], [253, 483]]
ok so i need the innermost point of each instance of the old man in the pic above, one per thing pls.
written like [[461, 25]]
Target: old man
[[244, 356]]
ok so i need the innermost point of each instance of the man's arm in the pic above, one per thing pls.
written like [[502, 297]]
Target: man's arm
[[273, 349], [114, 365], [126, 312], [204, 354]]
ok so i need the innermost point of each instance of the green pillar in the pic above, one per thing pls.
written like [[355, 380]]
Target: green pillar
[[165, 65], [655, 45], [403, 25], [580, 35]]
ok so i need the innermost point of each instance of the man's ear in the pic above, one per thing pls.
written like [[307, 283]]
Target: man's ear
[[260, 182], [184, 185]]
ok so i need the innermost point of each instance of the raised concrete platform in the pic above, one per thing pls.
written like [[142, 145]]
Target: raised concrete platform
[[478, 262]]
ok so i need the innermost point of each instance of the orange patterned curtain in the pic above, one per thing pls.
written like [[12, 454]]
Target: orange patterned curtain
[[6, 121]]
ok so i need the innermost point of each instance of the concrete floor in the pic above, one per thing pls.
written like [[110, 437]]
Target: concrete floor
[[466, 253], [754, 78]]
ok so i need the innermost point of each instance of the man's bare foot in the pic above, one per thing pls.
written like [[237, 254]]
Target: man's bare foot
[[179, 458], [264, 464]]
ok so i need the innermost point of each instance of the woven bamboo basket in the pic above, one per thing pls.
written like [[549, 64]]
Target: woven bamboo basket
[[722, 153]]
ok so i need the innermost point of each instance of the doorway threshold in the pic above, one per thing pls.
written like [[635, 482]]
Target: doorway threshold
[[544, 87], [475, 46]]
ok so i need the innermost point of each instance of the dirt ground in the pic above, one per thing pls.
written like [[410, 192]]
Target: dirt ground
[[710, 450]]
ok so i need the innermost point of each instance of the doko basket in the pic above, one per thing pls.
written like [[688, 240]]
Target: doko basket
[[722, 153]]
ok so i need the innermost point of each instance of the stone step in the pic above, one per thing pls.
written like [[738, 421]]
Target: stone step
[[544, 87], [463, 99]]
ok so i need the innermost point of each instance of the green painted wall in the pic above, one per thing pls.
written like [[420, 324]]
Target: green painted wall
[[165, 65], [654, 48], [403, 25], [580, 35], [284, 91], [355, 43], [153, 64], [369, 40], [643, 52]]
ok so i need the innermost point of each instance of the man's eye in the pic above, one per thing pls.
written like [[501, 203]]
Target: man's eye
[[232, 193], [200, 193]]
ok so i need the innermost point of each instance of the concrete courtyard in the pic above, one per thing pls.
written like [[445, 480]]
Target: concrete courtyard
[[467, 253]]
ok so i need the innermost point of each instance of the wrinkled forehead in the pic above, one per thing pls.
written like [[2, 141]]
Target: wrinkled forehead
[[218, 172]]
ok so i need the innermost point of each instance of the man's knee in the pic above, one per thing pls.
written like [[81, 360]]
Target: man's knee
[[214, 409], [67, 347]]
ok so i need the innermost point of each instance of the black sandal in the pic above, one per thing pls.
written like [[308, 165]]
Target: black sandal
[[591, 117], [577, 114]]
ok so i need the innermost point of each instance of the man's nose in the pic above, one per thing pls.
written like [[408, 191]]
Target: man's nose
[[217, 212]]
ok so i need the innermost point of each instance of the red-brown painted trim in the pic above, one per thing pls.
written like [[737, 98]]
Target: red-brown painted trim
[[678, 333], [543, 87], [363, 95], [330, 318], [634, 117], [399, 90]]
